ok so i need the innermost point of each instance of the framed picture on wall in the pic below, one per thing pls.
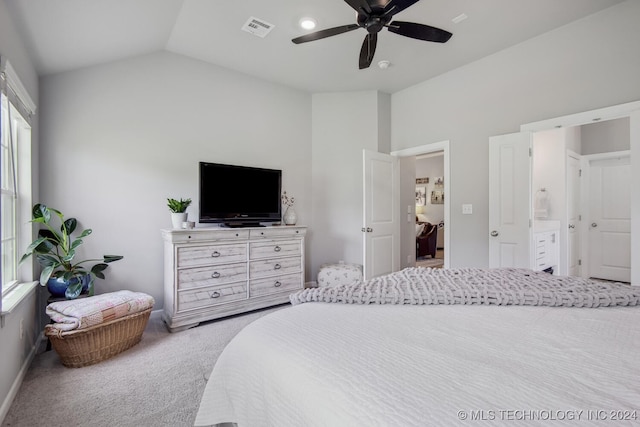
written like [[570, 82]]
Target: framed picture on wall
[[421, 196], [438, 181], [422, 180], [437, 197]]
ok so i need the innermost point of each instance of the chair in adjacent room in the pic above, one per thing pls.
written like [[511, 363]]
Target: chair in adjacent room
[[426, 240]]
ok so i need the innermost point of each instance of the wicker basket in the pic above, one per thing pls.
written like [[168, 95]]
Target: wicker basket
[[88, 346]]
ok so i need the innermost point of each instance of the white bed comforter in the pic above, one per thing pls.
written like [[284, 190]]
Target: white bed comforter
[[333, 365]]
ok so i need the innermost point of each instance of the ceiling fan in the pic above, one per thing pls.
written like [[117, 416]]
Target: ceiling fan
[[373, 16]]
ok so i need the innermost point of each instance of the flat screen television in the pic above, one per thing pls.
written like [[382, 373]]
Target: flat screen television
[[239, 196]]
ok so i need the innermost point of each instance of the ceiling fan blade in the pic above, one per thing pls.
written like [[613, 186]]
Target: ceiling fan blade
[[397, 6], [325, 33], [368, 50], [419, 31]]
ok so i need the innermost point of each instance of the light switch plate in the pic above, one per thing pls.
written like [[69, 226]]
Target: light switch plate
[[467, 209]]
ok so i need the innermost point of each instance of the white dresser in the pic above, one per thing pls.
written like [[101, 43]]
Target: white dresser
[[215, 272], [546, 246]]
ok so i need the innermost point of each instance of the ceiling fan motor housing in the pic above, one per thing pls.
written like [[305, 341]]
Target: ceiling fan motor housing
[[373, 23]]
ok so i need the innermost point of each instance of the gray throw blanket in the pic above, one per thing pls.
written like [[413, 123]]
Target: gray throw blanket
[[500, 286]]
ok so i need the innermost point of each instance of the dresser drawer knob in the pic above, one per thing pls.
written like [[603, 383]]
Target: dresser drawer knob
[[215, 254], [277, 284], [277, 249], [215, 275], [215, 294], [277, 267]]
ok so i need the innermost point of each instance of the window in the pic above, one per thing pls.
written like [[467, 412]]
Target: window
[[16, 109], [12, 128]]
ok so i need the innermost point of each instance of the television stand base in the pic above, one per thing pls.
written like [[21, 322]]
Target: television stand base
[[242, 224]]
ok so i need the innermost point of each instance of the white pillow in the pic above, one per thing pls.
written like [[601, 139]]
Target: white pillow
[[419, 229]]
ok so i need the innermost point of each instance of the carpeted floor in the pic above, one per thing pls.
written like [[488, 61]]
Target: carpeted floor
[[437, 262], [158, 382]]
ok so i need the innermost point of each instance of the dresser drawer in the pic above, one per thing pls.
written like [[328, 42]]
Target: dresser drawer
[[270, 267], [274, 232], [274, 248], [204, 235], [274, 285], [189, 256], [206, 297], [197, 277]]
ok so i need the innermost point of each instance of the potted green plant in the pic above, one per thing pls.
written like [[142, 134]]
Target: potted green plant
[[178, 211], [55, 249]]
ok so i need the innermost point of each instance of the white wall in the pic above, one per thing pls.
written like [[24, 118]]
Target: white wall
[[549, 170], [343, 125], [602, 137], [14, 351], [589, 64], [119, 139]]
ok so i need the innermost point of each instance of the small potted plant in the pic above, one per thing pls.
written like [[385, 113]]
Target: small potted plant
[[178, 210], [55, 249]]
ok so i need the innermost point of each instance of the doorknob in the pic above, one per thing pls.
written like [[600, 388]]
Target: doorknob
[[494, 233], [594, 225], [572, 226], [367, 230]]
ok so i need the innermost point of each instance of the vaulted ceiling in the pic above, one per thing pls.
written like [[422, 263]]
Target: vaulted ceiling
[[67, 34]]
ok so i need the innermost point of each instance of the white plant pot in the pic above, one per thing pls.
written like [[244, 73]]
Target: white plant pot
[[178, 218]]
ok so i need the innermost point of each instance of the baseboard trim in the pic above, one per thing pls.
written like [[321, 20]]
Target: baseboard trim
[[13, 392]]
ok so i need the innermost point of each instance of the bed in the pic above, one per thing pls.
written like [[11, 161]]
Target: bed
[[384, 354]]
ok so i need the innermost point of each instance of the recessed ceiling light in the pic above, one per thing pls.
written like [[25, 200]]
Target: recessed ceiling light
[[307, 23], [384, 64]]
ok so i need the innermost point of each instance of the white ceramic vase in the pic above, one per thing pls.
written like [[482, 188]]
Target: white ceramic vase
[[178, 218], [290, 217]]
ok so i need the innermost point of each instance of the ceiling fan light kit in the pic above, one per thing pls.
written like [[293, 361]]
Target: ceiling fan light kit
[[373, 16]]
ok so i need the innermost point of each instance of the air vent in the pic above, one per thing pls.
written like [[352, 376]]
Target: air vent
[[257, 27]]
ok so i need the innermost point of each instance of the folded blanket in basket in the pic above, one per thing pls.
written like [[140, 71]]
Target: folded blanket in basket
[[85, 312]]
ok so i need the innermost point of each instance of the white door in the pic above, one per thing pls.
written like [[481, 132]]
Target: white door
[[573, 215], [381, 222], [610, 219], [510, 200]]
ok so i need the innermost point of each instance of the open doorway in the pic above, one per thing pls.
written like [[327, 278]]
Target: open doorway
[[430, 224], [566, 164], [608, 137], [436, 212]]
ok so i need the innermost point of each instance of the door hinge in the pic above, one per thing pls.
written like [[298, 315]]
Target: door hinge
[[579, 262], [580, 173], [530, 152], [579, 217]]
